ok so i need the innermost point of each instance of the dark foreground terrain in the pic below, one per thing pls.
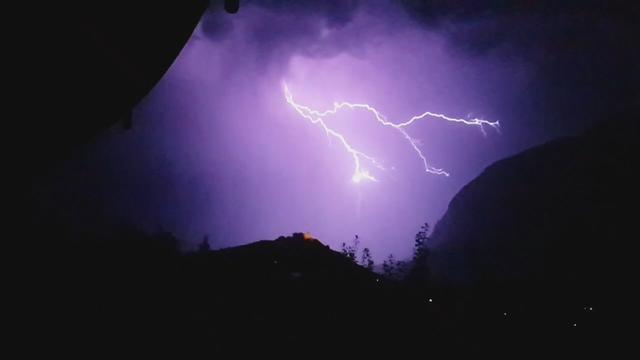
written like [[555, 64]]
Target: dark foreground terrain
[[536, 255], [533, 255], [136, 294]]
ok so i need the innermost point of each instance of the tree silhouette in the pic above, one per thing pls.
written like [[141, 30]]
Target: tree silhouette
[[366, 260], [356, 245], [389, 266], [204, 246], [420, 243], [402, 269], [419, 272], [351, 251]]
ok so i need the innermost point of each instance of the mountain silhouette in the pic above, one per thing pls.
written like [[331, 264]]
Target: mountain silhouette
[[547, 227]]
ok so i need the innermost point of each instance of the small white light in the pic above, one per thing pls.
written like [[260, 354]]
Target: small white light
[[430, 300], [590, 308], [574, 324], [504, 313]]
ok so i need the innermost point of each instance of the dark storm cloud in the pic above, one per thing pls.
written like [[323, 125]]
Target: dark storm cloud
[[214, 26], [538, 30], [585, 52], [279, 29], [437, 12], [335, 12]]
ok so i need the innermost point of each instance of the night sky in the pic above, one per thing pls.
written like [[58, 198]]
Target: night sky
[[215, 148]]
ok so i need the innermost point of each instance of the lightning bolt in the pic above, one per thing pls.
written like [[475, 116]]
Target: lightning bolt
[[317, 117]]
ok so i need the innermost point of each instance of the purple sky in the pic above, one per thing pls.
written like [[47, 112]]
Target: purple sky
[[215, 149]]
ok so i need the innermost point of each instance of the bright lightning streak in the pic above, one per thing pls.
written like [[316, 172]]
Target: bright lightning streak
[[359, 174], [316, 117]]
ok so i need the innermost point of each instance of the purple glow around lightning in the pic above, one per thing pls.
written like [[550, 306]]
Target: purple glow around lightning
[[221, 149], [317, 117]]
